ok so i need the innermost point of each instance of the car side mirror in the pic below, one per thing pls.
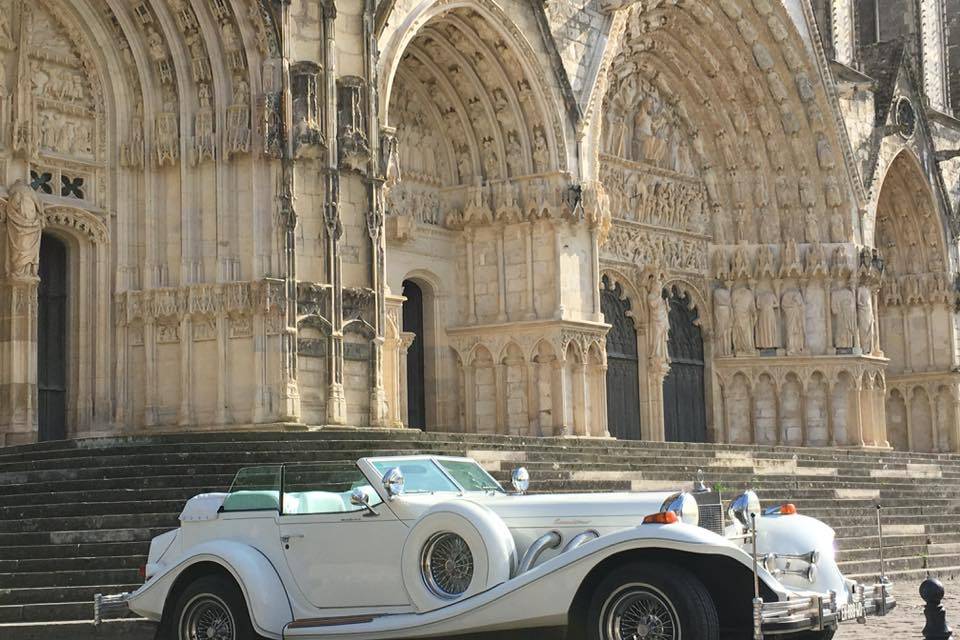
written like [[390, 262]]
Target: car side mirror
[[520, 479], [393, 482], [360, 498]]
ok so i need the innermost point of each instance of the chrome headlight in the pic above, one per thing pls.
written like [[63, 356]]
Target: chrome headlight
[[743, 507], [520, 479], [685, 506]]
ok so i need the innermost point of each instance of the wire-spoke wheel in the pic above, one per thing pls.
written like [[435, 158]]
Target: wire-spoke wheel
[[650, 601], [639, 612], [212, 607], [447, 565], [207, 617]]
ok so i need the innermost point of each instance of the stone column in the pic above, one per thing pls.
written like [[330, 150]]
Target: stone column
[[223, 373], [560, 425], [471, 280], [931, 355], [908, 416], [532, 375], [531, 301], [406, 340], [595, 271], [858, 413], [150, 408], [580, 417], [185, 418], [558, 253], [470, 397], [18, 368], [907, 356], [501, 277], [500, 380], [934, 57], [804, 438], [955, 419], [831, 435]]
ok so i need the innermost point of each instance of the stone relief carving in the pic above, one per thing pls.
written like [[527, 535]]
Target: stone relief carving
[[23, 214], [167, 137], [744, 321], [659, 325], [204, 137], [641, 126], [768, 320], [353, 144], [237, 136], [843, 306], [865, 318], [308, 139], [723, 321], [794, 311], [640, 194], [639, 246]]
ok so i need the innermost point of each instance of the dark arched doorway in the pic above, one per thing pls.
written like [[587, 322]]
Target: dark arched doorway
[[623, 373], [416, 382], [52, 328], [684, 400]]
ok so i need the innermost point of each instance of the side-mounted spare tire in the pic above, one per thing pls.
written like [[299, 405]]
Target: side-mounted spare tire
[[455, 550]]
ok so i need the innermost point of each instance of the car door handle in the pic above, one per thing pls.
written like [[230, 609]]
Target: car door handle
[[290, 536]]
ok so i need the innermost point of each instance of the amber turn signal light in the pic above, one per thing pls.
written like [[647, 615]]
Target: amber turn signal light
[[667, 517], [788, 509]]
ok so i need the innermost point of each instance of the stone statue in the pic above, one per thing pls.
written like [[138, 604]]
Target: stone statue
[[793, 320], [723, 321], [791, 258], [659, 325], [745, 316], [865, 318], [768, 321], [765, 262], [844, 308], [24, 228]]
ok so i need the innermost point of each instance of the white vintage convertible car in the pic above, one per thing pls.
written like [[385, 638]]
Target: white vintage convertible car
[[425, 546]]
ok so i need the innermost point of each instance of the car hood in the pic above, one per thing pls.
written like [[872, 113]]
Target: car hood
[[569, 509]]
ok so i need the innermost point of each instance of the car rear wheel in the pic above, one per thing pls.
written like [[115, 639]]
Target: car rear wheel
[[648, 601], [212, 608]]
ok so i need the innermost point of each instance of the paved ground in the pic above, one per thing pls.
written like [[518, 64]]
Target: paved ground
[[906, 622]]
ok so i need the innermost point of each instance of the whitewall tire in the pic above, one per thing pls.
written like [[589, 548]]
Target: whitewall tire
[[455, 550]]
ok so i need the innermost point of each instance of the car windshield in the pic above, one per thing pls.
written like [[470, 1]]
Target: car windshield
[[419, 475], [470, 475]]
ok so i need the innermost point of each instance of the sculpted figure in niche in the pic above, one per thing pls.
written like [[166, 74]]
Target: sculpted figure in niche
[[768, 321], [865, 318], [744, 320], [646, 145], [659, 325], [24, 228], [844, 308], [791, 257], [765, 261], [793, 321], [723, 321]]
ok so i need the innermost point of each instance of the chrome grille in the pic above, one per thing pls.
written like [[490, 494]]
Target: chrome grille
[[711, 511]]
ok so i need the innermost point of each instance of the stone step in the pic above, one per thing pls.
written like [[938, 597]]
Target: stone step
[[134, 629], [55, 565], [64, 578]]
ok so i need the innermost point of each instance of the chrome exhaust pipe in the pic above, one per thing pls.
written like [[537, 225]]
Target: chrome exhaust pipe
[[580, 540], [549, 540]]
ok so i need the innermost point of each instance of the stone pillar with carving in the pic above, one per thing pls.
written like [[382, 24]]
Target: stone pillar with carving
[[22, 226]]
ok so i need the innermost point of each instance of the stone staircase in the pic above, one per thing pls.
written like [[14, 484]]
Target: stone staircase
[[76, 517]]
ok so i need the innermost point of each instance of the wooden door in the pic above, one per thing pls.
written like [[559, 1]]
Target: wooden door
[[684, 400], [52, 326], [623, 373], [416, 381]]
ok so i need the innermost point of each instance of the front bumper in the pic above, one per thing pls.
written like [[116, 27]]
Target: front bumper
[[822, 611], [116, 606]]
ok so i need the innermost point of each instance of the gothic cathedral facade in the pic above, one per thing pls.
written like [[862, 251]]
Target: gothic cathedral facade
[[689, 220]]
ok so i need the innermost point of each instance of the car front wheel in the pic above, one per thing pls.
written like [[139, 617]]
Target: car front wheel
[[211, 608], [647, 601]]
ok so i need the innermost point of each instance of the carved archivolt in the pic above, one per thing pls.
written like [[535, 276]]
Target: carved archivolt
[[82, 222]]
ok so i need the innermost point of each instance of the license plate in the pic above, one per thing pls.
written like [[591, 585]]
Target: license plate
[[850, 611]]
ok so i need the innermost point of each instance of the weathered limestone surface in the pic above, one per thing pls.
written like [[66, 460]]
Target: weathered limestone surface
[[730, 221]]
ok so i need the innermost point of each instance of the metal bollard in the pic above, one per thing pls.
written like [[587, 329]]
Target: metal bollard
[[936, 628]]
